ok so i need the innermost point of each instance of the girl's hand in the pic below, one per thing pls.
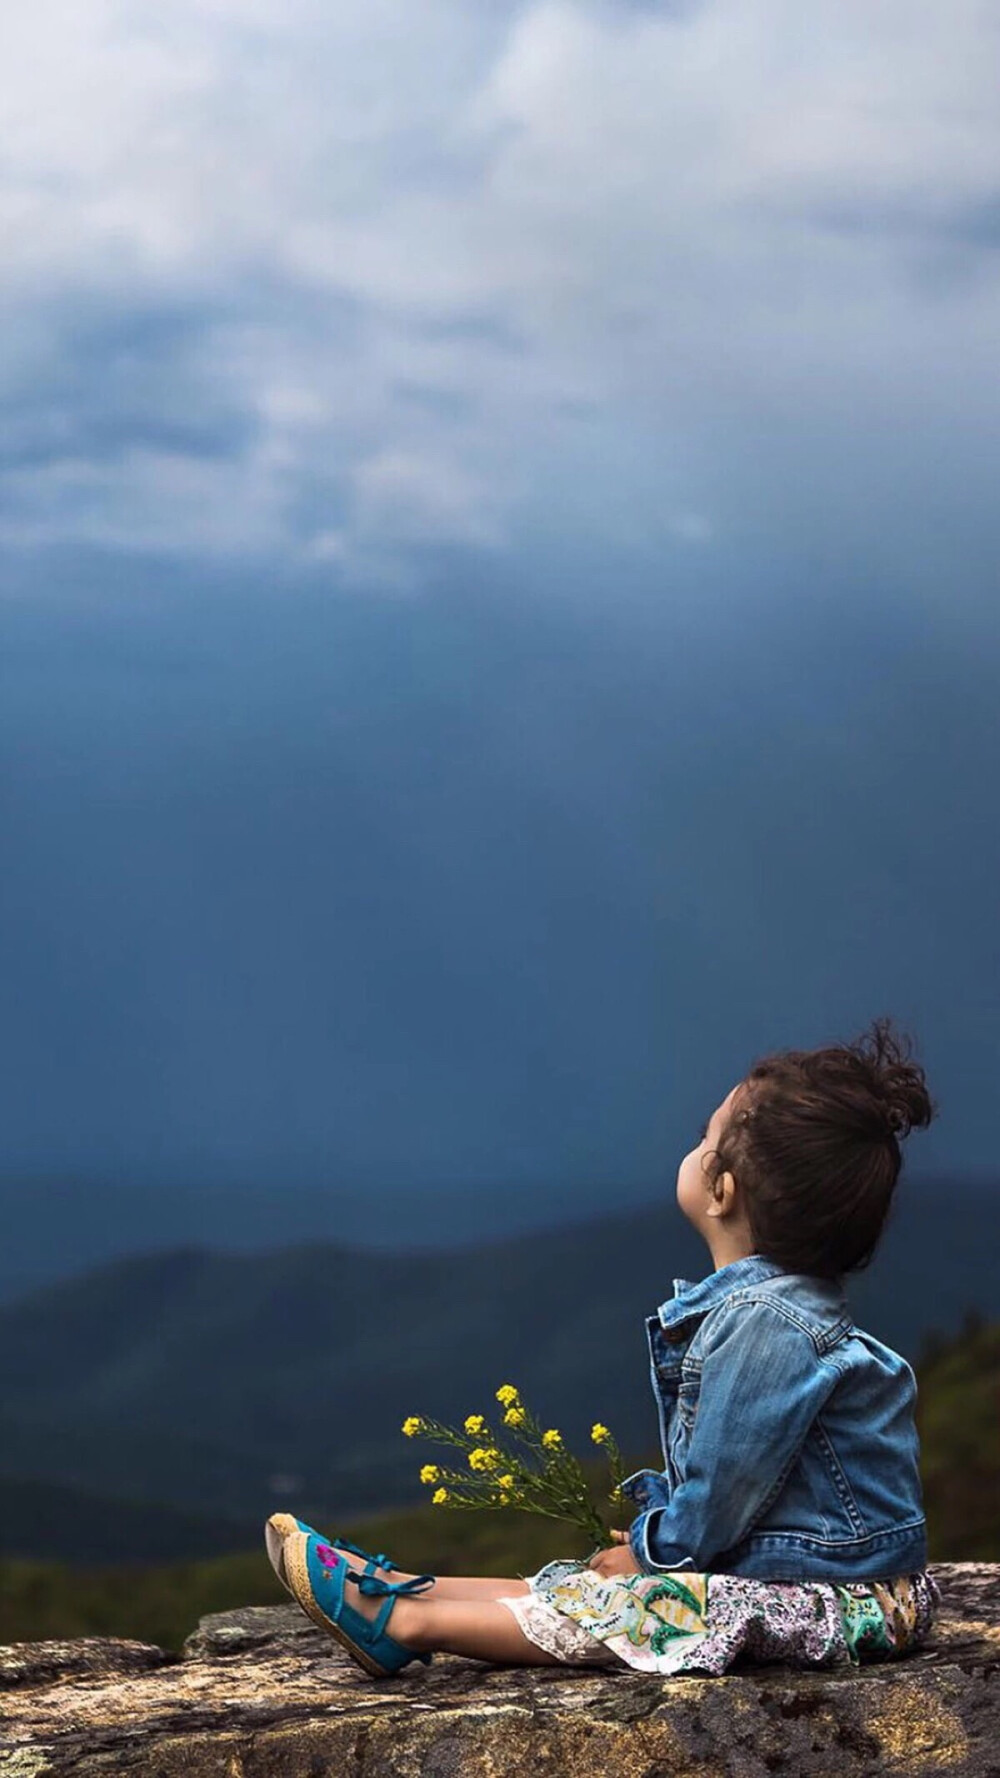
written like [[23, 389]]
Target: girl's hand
[[615, 1561]]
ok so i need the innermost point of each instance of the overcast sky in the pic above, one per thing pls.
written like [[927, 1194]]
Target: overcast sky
[[499, 603]]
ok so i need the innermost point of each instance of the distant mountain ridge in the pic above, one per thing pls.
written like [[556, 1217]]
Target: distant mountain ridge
[[56, 1228], [228, 1384], [42, 1521]]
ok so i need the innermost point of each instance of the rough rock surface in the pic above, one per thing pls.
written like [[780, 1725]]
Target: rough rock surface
[[260, 1693]]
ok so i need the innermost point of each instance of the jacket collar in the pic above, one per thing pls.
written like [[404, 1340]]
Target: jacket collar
[[697, 1299]]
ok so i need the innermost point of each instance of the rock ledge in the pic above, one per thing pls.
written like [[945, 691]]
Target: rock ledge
[[260, 1693]]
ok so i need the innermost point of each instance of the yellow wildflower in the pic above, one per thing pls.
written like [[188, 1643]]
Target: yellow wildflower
[[506, 1394], [475, 1423], [481, 1458], [552, 1438], [411, 1426], [430, 1473], [506, 1482], [439, 1497], [514, 1417], [599, 1433]]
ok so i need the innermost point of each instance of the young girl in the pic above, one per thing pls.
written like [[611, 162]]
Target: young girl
[[787, 1522]]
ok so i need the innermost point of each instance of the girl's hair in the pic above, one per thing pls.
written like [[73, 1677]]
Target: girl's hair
[[813, 1140]]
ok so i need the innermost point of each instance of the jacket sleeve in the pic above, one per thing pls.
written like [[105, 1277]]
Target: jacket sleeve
[[762, 1385]]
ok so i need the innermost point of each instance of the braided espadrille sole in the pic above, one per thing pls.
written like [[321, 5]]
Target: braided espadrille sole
[[296, 1568], [278, 1527]]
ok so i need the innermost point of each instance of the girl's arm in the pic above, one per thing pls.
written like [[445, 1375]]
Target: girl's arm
[[762, 1385]]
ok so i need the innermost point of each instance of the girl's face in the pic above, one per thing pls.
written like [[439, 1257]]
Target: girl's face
[[693, 1183]]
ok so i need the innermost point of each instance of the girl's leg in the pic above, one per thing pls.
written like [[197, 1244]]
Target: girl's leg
[[480, 1588], [468, 1623], [458, 1586], [480, 1629]]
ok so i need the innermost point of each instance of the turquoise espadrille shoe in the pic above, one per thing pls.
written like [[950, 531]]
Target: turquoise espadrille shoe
[[318, 1577], [281, 1525]]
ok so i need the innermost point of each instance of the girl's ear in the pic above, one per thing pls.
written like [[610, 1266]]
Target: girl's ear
[[722, 1196]]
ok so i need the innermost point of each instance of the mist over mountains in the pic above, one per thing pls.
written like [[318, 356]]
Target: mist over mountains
[[224, 1384], [56, 1228]]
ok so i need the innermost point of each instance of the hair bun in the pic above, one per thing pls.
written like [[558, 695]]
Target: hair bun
[[898, 1120], [898, 1083]]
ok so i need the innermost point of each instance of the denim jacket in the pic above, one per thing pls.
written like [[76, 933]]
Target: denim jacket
[[788, 1436]]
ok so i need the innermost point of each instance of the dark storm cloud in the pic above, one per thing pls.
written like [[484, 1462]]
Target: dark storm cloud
[[483, 887], [498, 612]]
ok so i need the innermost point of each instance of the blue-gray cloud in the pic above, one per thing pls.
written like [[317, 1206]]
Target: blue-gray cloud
[[915, 217], [346, 283], [116, 383]]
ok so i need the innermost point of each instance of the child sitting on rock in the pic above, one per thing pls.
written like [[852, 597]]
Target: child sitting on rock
[[787, 1521]]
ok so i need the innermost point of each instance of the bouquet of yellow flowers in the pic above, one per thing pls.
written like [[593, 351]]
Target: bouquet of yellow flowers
[[524, 1466]]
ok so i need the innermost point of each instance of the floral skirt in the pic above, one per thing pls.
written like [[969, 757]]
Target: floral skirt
[[701, 1623]]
